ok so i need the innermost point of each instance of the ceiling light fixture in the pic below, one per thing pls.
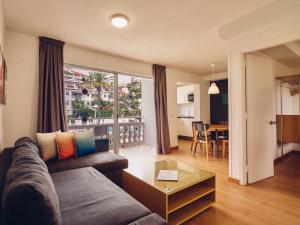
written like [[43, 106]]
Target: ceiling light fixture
[[119, 20], [213, 89]]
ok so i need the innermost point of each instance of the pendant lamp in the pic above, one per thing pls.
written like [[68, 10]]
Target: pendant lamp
[[213, 89]]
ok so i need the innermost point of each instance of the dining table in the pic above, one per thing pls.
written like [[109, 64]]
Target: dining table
[[217, 128]]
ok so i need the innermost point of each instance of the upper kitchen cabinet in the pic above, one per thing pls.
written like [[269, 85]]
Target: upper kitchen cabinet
[[185, 94]]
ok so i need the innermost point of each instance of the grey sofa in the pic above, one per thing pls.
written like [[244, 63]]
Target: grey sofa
[[107, 163], [75, 193]]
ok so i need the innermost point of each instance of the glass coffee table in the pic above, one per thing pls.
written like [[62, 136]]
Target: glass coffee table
[[175, 201]]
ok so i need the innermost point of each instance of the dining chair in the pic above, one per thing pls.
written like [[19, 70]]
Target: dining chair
[[224, 134], [194, 133], [202, 137], [225, 142]]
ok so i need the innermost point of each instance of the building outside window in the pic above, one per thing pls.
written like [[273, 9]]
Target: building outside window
[[89, 97]]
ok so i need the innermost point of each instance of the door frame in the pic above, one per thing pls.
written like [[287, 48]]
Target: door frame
[[116, 129], [239, 45]]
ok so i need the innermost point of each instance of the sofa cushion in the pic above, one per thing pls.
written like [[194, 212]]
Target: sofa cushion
[[65, 145], [88, 197], [29, 195], [84, 142], [150, 220], [102, 161], [47, 145]]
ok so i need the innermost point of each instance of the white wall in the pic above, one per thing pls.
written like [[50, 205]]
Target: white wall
[[281, 31], [94, 59], [85, 57], [22, 60], [2, 31], [22, 92], [174, 77]]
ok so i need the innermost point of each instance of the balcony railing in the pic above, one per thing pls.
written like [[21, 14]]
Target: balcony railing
[[131, 130]]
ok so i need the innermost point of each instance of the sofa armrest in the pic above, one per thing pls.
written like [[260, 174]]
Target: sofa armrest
[[102, 145]]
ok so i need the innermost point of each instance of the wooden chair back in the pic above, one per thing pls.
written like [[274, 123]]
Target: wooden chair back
[[201, 130], [194, 131]]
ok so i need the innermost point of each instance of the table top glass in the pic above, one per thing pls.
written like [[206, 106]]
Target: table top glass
[[187, 175]]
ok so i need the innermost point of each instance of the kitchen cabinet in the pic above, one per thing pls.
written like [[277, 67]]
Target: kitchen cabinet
[[186, 111], [183, 92], [184, 126]]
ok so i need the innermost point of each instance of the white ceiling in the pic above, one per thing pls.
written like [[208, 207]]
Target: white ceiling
[[288, 54], [181, 34]]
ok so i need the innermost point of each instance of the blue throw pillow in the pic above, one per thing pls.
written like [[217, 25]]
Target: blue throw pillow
[[84, 142]]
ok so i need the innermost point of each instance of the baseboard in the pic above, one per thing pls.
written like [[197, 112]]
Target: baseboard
[[286, 155], [174, 148], [186, 138], [233, 180]]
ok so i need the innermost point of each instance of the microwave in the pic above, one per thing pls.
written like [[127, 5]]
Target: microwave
[[191, 97]]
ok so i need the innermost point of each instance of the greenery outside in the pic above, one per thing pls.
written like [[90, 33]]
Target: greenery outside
[[99, 84]]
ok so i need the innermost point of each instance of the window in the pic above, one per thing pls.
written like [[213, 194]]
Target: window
[[89, 97], [84, 91], [92, 100]]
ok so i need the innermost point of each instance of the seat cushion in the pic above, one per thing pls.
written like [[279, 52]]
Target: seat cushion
[[88, 198], [102, 161], [152, 219]]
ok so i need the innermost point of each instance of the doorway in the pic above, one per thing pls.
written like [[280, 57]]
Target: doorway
[[272, 96], [219, 104], [188, 109]]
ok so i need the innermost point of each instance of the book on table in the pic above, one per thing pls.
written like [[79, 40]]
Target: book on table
[[168, 175]]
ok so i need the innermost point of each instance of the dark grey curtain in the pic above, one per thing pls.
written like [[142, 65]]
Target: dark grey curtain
[[51, 108], [162, 125]]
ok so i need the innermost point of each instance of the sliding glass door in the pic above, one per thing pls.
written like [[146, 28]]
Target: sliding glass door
[[89, 99], [130, 124], [110, 103]]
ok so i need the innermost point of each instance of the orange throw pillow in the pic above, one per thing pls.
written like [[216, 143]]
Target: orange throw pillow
[[65, 145]]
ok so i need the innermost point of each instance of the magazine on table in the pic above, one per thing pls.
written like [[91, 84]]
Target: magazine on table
[[168, 175]]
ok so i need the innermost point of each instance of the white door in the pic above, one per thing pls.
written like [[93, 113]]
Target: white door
[[260, 101]]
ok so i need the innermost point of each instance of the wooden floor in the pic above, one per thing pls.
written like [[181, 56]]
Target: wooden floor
[[274, 201]]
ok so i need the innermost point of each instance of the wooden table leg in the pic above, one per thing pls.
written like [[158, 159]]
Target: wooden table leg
[[217, 144]]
